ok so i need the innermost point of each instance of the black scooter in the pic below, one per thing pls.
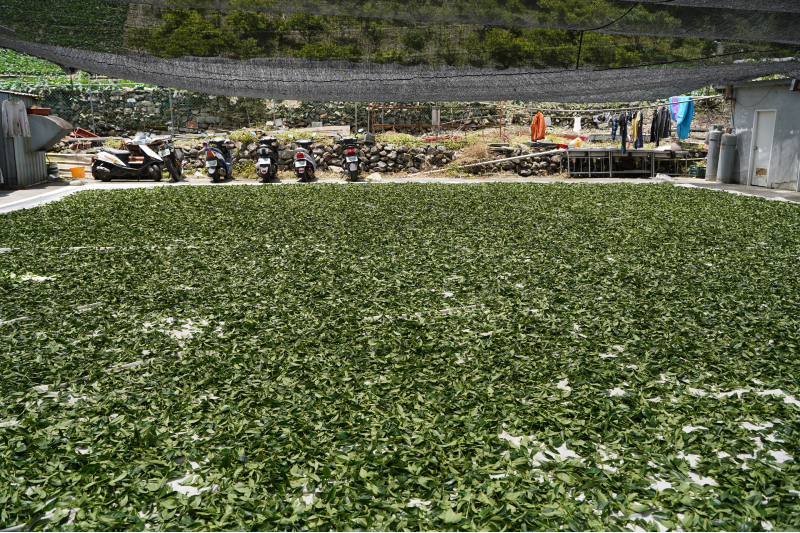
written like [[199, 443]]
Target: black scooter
[[111, 163], [173, 158], [267, 158], [351, 155]]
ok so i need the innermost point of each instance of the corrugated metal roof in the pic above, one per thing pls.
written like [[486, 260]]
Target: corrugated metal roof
[[36, 96], [782, 81]]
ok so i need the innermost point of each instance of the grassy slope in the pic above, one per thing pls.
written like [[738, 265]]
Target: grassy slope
[[87, 24], [283, 389]]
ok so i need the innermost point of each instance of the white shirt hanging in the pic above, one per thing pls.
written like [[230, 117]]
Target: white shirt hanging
[[15, 119], [577, 127]]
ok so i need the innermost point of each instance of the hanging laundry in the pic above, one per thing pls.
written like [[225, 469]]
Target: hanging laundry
[[623, 130], [537, 127], [15, 119], [635, 129], [614, 124], [684, 118], [661, 126], [639, 121], [577, 127], [674, 107]]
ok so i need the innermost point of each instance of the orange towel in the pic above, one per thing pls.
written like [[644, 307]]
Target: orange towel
[[537, 127]]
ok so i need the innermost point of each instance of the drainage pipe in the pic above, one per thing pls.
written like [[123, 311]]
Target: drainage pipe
[[797, 187], [526, 156]]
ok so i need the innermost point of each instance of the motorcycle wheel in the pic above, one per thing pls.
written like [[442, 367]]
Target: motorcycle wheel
[[155, 173], [102, 176], [172, 169], [215, 177], [353, 175]]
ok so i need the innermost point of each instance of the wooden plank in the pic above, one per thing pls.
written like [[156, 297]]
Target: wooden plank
[[329, 131]]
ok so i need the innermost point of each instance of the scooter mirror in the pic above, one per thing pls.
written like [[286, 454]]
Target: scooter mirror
[[313, 135], [291, 136]]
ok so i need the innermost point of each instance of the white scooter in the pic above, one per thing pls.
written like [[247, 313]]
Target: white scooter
[[138, 161]]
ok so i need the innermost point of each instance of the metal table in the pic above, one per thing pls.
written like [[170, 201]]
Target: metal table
[[600, 161]]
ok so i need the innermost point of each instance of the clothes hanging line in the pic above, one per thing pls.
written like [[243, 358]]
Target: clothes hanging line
[[694, 99]]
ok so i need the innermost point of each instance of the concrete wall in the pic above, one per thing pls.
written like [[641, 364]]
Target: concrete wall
[[785, 161]]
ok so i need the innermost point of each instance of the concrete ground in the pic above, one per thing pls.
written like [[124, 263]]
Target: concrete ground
[[11, 200]]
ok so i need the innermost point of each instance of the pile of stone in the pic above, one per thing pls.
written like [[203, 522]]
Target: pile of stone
[[531, 166]]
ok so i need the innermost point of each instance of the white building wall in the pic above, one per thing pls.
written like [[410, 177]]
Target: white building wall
[[785, 161]]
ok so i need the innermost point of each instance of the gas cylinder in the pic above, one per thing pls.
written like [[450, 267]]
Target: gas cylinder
[[727, 153], [712, 160]]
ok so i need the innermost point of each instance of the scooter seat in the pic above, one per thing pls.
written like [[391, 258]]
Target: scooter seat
[[114, 151]]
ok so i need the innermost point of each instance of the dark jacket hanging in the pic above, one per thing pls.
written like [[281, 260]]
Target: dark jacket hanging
[[639, 137], [662, 125], [623, 130]]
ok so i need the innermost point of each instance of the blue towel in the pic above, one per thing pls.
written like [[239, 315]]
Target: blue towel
[[684, 118]]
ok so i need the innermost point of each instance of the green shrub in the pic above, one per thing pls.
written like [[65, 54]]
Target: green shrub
[[243, 136], [245, 169]]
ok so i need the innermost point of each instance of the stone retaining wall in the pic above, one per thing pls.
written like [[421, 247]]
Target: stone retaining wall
[[389, 158], [117, 111]]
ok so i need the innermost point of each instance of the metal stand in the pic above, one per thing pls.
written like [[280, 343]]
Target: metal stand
[[91, 102], [171, 113]]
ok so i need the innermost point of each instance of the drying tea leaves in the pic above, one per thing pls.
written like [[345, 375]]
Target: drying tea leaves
[[400, 356]]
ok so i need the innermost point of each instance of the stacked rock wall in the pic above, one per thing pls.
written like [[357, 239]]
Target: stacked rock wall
[[390, 158]]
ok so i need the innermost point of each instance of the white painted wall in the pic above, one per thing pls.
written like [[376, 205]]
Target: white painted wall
[[785, 162]]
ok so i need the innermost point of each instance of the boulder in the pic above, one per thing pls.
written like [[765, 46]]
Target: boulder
[[337, 170], [374, 177]]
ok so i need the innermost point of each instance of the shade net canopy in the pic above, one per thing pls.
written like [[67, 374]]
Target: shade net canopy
[[451, 50]]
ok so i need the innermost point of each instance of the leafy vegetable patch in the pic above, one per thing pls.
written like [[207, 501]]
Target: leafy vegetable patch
[[400, 356]]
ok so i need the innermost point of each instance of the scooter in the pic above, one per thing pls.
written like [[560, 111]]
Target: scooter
[[111, 163], [173, 158], [351, 154], [219, 163], [267, 154], [305, 165]]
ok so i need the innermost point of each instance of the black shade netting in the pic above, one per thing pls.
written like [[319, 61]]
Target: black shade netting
[[364, 82]]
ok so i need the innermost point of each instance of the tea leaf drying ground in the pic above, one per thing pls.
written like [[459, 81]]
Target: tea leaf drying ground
[[277, 358]]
